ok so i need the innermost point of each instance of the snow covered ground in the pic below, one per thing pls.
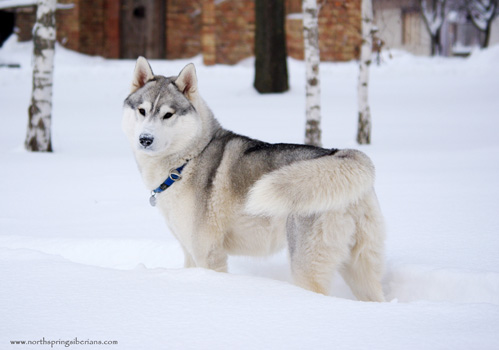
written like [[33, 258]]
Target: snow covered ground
[[83, 255]]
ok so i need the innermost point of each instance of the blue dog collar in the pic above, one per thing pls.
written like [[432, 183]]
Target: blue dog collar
[[174, 176]]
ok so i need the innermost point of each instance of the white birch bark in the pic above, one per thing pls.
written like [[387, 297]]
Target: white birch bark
[[312, 60], [364, 123], [40, 110]]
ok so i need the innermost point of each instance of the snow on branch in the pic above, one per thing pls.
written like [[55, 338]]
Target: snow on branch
[[482, 12], [434, 17]]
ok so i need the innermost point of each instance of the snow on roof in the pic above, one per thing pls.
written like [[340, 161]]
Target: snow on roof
[[5, 4]]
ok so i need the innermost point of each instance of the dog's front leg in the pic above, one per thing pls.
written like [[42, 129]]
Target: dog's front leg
[[210, 254], [188, 259]]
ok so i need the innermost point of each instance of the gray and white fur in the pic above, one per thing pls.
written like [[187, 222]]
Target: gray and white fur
[[242, 196]]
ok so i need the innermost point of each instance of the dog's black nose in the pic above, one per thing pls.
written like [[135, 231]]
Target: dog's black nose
[[146, 140]]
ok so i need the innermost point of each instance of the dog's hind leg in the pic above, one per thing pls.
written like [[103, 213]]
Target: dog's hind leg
[[318, 245], [364, 270]]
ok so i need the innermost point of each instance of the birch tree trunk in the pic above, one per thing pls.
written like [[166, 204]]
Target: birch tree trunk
[[312, 60], [40, 111], [364, 123]]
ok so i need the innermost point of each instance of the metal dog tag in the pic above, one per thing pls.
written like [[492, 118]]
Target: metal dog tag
[[152, 199]]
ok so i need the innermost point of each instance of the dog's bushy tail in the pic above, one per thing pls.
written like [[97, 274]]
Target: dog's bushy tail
[[312, 186]]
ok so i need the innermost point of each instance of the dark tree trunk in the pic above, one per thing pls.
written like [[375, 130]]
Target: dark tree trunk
[[271, 71], [436, 49], [486, 40]]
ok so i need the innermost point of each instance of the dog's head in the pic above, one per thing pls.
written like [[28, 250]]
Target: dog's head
[[159, 117]]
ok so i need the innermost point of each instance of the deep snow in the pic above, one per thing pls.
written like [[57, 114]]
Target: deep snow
[[82, 254]]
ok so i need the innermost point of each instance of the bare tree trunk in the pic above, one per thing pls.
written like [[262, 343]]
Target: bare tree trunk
[[364, 123], [436, 47], [271, 70], [312, 60], [434, 18], [486, 40], [482, 14], [40, 111]]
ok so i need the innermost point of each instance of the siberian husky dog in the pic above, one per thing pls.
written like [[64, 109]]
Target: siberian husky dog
[[223, 193]]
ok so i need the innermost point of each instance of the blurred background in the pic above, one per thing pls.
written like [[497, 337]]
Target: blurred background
[[223, 30]]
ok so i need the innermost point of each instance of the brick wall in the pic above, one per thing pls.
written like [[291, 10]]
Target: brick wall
[[235, 30], [111, 19], [208, 36], [294, 37], [67, 22], [339, 30], [183, 28], [90, 27], [68, 25], [222, 30], [25, 18], [91, 17]]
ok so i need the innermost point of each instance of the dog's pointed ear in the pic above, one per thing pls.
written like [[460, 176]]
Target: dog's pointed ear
[[187, 81], [142, 74]]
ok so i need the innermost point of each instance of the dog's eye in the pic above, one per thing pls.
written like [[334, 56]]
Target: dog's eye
[[142, 111], [168, 115]]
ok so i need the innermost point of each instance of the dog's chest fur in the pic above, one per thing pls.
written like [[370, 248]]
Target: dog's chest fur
[[192, 213]]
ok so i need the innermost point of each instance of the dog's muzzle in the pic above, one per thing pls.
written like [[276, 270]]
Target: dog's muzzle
[[146, 140]]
